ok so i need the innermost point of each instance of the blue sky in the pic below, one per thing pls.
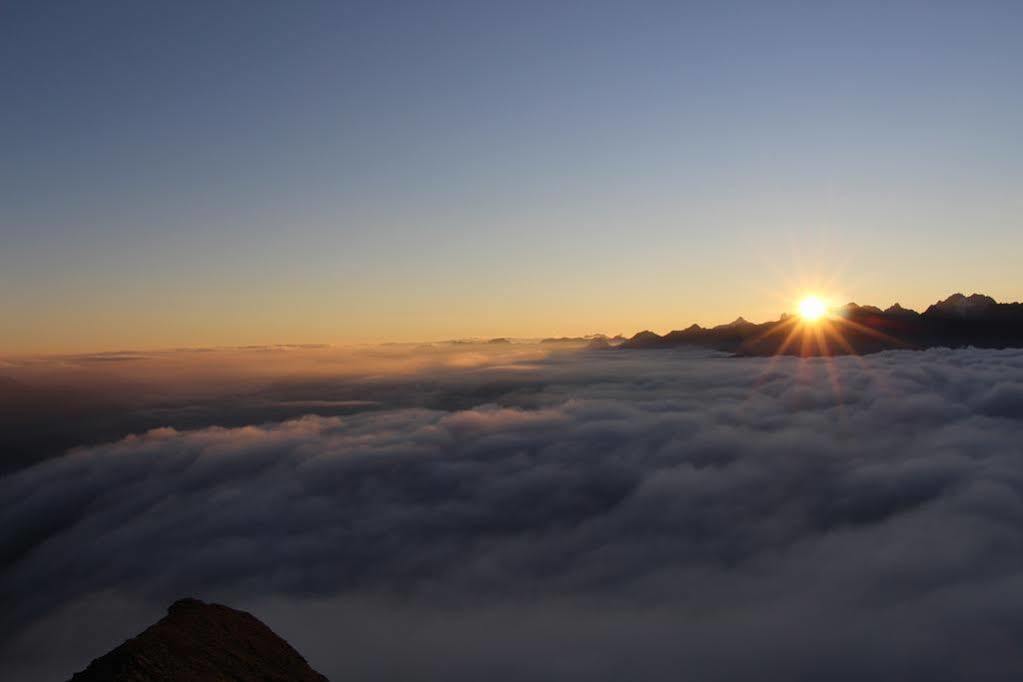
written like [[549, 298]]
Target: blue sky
[[229, 172]]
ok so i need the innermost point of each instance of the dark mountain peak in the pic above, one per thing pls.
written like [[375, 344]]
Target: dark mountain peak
[[737, 322], [962, 306], [896, 309], [693, 328], [643, 339], [847, 310], [852, 308], [184, 606], [578, 339], [200, 642]]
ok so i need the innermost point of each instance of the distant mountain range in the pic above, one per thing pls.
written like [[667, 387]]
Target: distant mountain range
[[956, 322], [597, 340], [199, 642]]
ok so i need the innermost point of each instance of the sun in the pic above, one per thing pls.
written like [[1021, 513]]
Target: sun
[[812, 309]]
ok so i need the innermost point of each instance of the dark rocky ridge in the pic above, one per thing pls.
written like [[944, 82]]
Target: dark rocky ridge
[[199, 642], [956, 322]]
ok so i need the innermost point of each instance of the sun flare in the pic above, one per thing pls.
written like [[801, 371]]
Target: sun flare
[[812, 309]]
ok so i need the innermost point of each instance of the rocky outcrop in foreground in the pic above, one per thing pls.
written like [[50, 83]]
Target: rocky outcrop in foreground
[[199, 642]]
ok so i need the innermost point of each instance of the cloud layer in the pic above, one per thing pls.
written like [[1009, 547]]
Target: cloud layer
[[596, 515]]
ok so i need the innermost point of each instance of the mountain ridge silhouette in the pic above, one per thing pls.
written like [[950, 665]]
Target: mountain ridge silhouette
[[955, 322]]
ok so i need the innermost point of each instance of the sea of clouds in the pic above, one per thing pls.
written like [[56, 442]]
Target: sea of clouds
[[654, 515]]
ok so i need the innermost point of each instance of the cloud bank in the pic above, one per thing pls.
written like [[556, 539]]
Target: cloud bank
[[648, 515]]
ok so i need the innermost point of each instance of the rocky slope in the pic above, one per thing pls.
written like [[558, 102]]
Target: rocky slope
[[199, 642]]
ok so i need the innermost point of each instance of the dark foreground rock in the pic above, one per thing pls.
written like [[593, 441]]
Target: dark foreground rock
[[199, 642]]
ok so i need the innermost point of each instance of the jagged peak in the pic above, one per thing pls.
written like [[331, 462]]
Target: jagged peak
[[958, 304], [896, 309], [737, 322], [958, 298]]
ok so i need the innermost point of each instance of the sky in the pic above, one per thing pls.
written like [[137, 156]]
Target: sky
[[220, 173]]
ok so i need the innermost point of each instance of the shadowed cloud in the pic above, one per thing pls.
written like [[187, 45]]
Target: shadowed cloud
[[643, 514]]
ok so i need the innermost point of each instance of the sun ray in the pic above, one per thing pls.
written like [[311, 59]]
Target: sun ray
[[829, 360], [837, 337], [871, 332], [788, 339]]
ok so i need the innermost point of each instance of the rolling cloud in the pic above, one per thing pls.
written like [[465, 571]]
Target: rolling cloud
[[654, 515]]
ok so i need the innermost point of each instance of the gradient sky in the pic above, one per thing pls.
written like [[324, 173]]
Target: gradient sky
[[191, 173]]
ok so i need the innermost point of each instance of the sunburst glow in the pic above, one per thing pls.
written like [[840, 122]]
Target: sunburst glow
[[812, 309]]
